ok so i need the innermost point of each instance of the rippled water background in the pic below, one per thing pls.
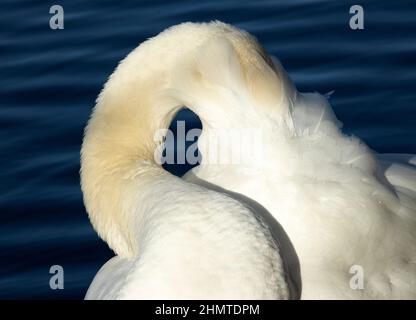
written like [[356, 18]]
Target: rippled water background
[[50, 78]]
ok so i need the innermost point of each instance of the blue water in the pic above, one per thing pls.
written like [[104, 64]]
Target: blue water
[[50, 79]]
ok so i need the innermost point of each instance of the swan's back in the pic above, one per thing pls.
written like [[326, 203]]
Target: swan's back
[[196, 244], [344, 207]]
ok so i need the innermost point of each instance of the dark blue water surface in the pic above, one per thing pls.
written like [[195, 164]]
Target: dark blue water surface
[[50, 79]]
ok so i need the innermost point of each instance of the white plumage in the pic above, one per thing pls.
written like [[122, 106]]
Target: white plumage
[[320, 202]]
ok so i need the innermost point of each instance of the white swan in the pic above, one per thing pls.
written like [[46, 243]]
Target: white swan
[[213, 236], [173, 239]]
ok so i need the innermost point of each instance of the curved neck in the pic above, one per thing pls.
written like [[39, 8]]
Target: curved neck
[[217, 73], [117, 154]]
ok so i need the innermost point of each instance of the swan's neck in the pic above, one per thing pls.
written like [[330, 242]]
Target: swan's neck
[[220, 73]]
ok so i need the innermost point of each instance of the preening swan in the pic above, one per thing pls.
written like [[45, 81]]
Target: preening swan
[[320, 203]]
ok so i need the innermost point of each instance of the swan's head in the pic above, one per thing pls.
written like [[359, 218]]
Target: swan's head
[[228, 74]]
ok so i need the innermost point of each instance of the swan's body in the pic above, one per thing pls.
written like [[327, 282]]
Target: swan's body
[[212, 235]]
